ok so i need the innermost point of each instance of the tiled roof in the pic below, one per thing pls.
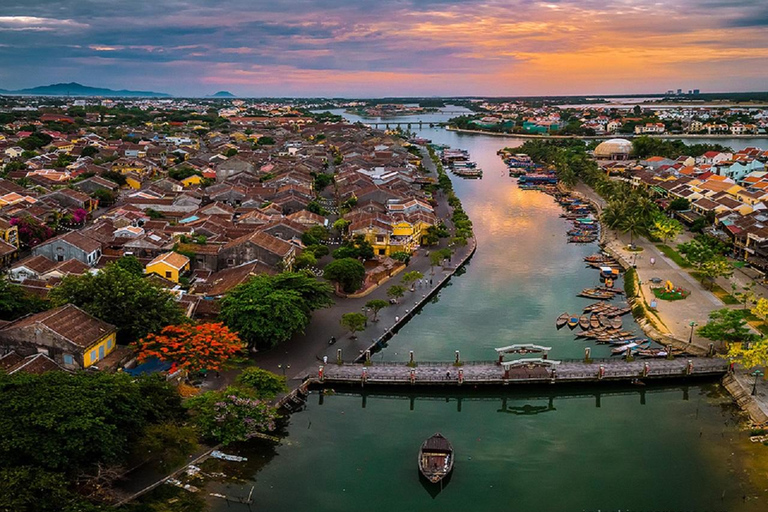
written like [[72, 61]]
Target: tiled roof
[[69, 322]]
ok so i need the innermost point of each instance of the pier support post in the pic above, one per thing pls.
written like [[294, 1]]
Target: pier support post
[[461, 376], [711, 351], [501, 359], [689, 367], [506, 373], [553, 376], [597, 400], [368, 356], [458, 358], [587, 354], [364, 376], [365, 399], [646, 369], [642, 397], [410, 358], [413, 376], [320, 373], [601, 372], [338, 356]]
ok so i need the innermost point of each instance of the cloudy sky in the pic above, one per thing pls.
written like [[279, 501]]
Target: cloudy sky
[[360, 48]]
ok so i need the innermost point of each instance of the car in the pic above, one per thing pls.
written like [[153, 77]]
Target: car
[[655, 280]]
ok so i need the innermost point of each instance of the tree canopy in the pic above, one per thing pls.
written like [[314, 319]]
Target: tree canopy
[[728, 326], [348, 272], [15, 302], [116, 295], [268, 310]]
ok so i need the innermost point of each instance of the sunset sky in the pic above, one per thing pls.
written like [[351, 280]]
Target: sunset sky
[[365, 48]]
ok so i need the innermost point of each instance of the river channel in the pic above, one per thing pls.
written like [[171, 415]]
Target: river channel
[[532, 449]]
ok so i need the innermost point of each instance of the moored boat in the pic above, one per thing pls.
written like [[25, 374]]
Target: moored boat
[[562, 320], [584, 322], [594, 322], [436, 458], [573, 322]]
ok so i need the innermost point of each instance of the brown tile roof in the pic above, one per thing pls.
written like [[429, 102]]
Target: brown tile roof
[[38, 264], [69, 322], [265, 241], [172, 259]]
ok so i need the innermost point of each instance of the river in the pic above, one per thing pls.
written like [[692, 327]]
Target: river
[[543, 449]]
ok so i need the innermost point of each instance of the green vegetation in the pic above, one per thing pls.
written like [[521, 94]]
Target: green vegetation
[[15, 302], [353, 322], [644, 147], [396, 291], [676, 294], [357, 247], [232, 415], [131, 303], [349, 273], [673, 255], [376, 305], [265, 384], [268, 310], [727, 326], [66, 436]]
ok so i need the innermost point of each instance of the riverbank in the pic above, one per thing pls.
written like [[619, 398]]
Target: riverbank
[[607, 136]]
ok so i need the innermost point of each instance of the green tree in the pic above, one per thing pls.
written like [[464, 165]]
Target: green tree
[[376, 305], [349, 273], [401, 256], [305, 260], [315, 235], [680, 204], [666, 229], [167, 445], [268, 310], [396, 292], [89, 151], [412, 277], [131, 264], [716, 267], [265, 384], [116, 295], [341, 226], [728, 326], [760, 310], [15, 302], [353, 322]]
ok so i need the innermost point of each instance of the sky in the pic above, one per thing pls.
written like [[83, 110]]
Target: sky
[[374, 48]]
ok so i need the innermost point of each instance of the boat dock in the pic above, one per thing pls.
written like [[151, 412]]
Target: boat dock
[[522, 371]]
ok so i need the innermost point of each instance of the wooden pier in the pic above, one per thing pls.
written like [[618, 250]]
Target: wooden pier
[[522, 371]]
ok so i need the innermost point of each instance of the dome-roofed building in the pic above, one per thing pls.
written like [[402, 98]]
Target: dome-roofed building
[[614, 149]]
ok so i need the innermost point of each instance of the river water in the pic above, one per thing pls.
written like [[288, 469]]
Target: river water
[[532, 449]]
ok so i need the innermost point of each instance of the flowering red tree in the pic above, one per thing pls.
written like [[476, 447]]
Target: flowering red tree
[[31, 232], [192, 347]]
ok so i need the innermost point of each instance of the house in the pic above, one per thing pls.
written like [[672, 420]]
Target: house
[[37, 364], [69, 198], [258, 247], [67, 334], [170, 265], [72, 245]]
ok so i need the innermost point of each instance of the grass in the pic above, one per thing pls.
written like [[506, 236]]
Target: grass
[[756, 322], [660, 293], [716, 290], [636, 249], [673, 255]]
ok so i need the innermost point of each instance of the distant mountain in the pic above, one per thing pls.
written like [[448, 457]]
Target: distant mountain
[[223, 94], [75, 89]]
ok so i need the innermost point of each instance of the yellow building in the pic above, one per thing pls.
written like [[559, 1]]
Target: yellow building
[[191, 180], [388, 235], [169, 265]]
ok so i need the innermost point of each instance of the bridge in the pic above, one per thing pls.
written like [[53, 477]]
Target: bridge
[[521, 371], [409, 124]]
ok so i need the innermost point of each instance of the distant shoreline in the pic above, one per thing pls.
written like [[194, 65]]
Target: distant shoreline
[[612, 136]]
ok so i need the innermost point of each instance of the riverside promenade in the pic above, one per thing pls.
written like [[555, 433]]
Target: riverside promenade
[[518, 372]]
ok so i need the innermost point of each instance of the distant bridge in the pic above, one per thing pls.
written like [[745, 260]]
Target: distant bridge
[[409, 124]]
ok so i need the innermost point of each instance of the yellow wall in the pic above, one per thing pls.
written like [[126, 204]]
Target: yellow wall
[[192, 180], [133, 183], [161, 268], [91, 355]]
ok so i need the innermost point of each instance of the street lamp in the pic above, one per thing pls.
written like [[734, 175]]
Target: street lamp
[[690, 338], [284, 367], [757, 374]]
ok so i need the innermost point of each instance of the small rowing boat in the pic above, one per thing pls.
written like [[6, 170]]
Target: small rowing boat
[[616, 322], [573, 322], [594, 322], [436, 458], [584, 322], [562, 320]]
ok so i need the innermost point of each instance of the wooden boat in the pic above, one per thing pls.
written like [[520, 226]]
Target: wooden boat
[[598, 258], [573, 322], [562, 320], [436, 458], [616, 323], [584, 322], [653, 352], [609, 290], [593, 321], [604, 321], [590, 294]]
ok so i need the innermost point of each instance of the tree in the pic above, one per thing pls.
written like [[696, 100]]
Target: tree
[[353, 322], [665, 228], [341, 226], [728, 326], [192, 347], [305, 260], [376, 305], [680, 204], [349, 273], [89, 151], [749, 355], [268, 310], [747, 295], [232, 415], [761, 309], [396, 292], [134, 305], [265, 384], [131, 264], [401, 256], [15, 302], [104, 196], [716, 267], [412, 277], [31, 232], [167, 444], [315, 235], [701, 250]]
